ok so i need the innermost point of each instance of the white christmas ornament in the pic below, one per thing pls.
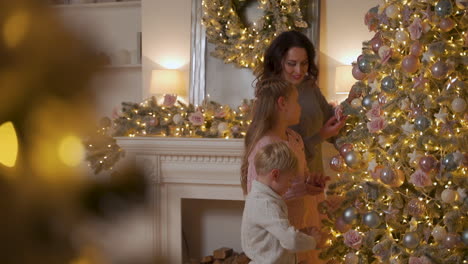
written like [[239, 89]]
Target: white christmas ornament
[[222, 127], [402, 36], [461, 193], [351, 258], [177, 119], [458, 105], [408, 128], [441, 116], [404, 104], [414, 156], [372, 165], [392, 11], [449, 196], [375, 88]]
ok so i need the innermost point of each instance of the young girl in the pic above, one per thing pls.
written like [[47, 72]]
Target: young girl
[[276, 108]]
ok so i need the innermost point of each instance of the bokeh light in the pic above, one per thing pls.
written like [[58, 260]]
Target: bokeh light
[[8, 144]]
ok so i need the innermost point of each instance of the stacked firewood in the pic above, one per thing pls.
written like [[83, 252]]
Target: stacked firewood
[[223, 255]]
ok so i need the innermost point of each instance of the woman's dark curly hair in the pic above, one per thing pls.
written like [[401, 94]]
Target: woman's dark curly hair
[[273, 58]]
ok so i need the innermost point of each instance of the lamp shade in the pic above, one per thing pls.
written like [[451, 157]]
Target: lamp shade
[[167, 82], [343, 79]]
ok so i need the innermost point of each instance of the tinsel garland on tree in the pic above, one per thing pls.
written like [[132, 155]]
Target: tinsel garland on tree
[[401, 192], [172, 118], [244, 44]]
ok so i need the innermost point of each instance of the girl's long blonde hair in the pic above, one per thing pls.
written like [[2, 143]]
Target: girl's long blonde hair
[[267, 92]]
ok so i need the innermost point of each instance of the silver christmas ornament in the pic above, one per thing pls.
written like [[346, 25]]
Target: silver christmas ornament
[[371, 219], [444, 8], [449, 162], [388, 84], [421, 123], [350, 215], [411, 240], [367, 101], [464, 236], [365, 64]]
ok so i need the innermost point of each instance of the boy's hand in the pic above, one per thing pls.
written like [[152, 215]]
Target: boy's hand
[[319, 236], [317, 179]]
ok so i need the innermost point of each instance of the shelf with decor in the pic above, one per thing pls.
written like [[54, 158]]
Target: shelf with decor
[[114, 31], [102, 5], [123, 66]]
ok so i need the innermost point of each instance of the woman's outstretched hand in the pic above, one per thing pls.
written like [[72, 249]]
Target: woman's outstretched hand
[[332, 127]]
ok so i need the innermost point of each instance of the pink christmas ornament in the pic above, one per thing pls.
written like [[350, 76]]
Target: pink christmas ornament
[[439, 70], [451, 240], [416, 48], [337, 163], [410, 64], [345, 148], [357, 74], [416, 207], [341, 225], [427, 163], [376, 42], [446, 24]]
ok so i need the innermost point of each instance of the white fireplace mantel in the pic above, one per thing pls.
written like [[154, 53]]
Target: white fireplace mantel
[[183, 168]]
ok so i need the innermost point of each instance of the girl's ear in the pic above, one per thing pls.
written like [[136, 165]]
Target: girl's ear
[[281, 103]]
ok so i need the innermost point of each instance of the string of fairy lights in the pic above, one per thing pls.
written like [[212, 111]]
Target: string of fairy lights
[[403, 164], [243, 44]]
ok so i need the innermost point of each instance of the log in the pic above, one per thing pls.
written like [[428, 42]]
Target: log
[[222, 253]]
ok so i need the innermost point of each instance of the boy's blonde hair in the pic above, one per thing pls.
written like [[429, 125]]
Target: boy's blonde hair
[[275, 156]]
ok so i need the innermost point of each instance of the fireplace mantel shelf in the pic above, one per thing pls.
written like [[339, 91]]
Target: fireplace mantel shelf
[[183, 168]]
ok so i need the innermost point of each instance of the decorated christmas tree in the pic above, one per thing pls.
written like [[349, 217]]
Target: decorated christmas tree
[[400, 195]]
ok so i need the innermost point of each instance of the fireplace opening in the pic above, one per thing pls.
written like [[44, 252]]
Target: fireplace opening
[[208, 225]]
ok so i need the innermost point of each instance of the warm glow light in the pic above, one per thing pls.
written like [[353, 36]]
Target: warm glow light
[[8, 144], [71, 151], [343, 79], [171, 63], [15, 28], [167, 82]]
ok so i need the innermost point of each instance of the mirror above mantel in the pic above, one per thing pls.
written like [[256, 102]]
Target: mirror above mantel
[[222, 82]]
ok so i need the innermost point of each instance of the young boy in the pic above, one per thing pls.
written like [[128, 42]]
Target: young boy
[[267, 236]]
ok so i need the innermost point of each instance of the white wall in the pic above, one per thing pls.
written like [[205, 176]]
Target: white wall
[[111, 30], [342, 32], [166, 38]]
